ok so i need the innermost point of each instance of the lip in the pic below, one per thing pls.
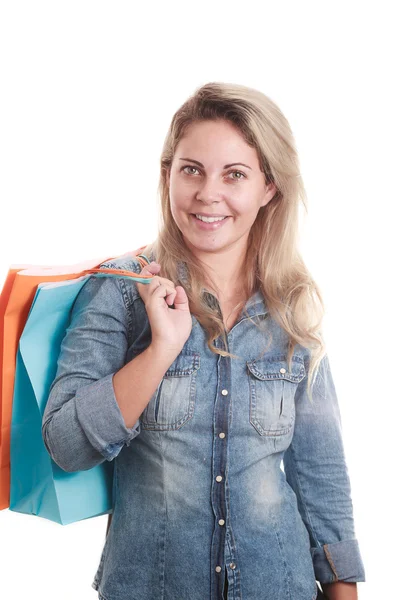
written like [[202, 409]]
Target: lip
[[209, 226], [209, 215]]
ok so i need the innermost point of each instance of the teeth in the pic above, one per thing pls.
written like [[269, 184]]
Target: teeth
[[210, 219]]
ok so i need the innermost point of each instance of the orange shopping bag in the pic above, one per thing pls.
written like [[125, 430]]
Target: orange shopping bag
[[4, 298], [16, 299]]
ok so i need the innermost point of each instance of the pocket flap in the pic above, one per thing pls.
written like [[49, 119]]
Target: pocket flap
[[184, 364], [276, 367]]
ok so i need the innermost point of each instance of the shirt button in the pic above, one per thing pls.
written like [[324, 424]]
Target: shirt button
[[222, 435], [218, 569], [218, 478], [221, 522], [232, 565], [224, 392], [282, 370]]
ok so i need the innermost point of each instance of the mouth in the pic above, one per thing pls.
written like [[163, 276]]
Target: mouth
[[213, 225]]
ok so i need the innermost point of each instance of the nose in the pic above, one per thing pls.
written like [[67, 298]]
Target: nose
[[210, 192]]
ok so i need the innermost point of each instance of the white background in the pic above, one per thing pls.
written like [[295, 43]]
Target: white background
[[87, 93]]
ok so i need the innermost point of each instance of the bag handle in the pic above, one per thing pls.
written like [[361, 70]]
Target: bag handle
[[143, 260]]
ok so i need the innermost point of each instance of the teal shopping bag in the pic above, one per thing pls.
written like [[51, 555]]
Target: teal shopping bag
[[38, 485]]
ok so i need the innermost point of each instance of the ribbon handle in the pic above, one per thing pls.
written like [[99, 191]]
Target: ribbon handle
[[143, 260]]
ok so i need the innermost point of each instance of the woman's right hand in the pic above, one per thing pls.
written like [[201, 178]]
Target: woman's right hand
[[170, 327]]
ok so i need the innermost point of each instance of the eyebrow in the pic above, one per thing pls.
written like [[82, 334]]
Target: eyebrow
[[225, 166]]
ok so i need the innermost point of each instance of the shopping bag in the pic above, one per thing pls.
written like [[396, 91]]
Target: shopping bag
[[20, 289], [5, 295], [38, 485]]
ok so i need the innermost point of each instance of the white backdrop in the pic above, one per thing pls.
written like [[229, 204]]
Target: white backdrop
[[87, 93]]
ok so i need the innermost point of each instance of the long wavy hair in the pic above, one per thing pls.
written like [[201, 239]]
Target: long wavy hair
[[272, 263]]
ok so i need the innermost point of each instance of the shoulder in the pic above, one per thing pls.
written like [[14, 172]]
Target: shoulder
[[126, 284], [113, 295], [125, 262]]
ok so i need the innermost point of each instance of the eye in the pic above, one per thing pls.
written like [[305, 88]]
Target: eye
[[188, 167], [240, 173], [243, 176]]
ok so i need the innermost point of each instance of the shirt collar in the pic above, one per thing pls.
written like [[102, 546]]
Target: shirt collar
[[255, 305]]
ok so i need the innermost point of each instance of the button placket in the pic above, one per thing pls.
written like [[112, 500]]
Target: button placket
[[218, 492]]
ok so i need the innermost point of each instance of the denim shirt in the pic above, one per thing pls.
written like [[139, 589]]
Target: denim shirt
[[199, 489]]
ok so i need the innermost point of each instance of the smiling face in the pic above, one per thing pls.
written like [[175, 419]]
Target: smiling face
[[206, 178]]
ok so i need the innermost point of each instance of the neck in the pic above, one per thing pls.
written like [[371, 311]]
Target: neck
[[224, 271]]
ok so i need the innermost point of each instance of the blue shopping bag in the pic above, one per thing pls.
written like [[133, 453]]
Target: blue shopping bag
[[38, 485]]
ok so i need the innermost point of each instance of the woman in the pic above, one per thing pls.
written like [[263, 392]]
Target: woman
[[201, 383]]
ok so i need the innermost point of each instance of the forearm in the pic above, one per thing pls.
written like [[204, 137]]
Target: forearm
[[340, 590], [137, 381]]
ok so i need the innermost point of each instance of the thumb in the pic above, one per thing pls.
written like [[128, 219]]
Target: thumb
[[151, 269], [181, 301]]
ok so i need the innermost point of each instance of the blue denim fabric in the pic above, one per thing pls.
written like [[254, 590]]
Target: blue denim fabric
[[199, 489]]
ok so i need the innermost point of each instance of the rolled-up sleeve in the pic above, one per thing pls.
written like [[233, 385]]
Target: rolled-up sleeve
[[315, 468], [82, 424]]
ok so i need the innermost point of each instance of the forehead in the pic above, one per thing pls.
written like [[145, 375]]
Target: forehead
[[219, 140]]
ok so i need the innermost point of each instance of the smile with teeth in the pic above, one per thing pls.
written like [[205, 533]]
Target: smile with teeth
[[209, 219]]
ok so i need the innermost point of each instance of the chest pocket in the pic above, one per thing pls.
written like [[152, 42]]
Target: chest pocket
[[272, 390], [173, 402]]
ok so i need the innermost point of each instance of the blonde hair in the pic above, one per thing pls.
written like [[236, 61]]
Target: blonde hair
[[272, 263]]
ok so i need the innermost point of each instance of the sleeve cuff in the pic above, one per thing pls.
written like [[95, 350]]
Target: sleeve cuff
[[101, 419], [340, 561]]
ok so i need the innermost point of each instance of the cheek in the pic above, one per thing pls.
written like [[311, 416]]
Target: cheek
[[245, 210], [179, 211], [175, 212], [178, 206]]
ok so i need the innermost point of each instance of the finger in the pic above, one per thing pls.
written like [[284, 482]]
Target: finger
[[151, 269], [152, 266], [181, 301], [163, 291], [162, 280]]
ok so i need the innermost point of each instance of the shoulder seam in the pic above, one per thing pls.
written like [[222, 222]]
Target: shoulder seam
[[122, 287], [128, 306]]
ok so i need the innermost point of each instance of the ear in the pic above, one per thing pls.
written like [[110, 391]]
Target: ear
[[269, 194]]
